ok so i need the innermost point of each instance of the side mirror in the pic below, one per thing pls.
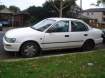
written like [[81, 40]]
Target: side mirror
[[50, 30]]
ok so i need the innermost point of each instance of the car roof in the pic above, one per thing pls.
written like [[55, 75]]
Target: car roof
[[58, 19]]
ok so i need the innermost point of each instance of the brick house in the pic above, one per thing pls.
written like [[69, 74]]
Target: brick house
[[95, 13], [10, 18]]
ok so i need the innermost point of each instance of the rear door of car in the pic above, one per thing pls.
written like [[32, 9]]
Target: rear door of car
[[79, 33]]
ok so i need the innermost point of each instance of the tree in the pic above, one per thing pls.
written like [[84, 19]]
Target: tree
[[14, 9], [73, 12], [51, 11], [60, 5], [37, 13], [2, 7], [69, 9], [100, 1]]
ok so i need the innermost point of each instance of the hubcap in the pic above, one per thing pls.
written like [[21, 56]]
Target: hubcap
[[30, 50]]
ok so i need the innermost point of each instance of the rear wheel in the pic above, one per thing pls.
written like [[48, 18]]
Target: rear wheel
[[88, 45], [30, 49]]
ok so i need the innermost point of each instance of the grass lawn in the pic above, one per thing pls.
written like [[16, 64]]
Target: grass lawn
[[77, 65]]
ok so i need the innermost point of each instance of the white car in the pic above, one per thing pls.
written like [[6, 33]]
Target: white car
[[52, 33]]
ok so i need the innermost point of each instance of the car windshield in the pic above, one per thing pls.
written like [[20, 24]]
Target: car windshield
[[44, 24]]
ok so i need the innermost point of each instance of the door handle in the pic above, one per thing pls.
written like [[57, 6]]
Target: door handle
[[66, 35], [85, 34]]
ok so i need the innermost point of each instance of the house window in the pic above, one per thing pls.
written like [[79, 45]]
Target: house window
[[87, 13], [92, 13]]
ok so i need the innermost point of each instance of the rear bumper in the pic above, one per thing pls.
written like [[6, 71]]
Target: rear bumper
[[98, 41]]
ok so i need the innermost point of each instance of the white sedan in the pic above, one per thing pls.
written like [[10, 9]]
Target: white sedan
[[50, 34]]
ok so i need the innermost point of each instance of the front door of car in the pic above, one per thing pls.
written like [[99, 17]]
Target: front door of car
[[57, 36]]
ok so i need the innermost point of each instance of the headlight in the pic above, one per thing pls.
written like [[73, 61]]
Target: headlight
[[10, 40]]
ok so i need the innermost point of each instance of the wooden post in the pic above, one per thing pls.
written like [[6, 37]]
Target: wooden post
[[81, 4], [13, 20]]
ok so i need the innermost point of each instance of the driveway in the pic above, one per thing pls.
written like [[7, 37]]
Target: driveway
[[5, 55]]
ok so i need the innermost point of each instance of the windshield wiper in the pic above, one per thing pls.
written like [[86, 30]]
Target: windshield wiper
[[32, 27], [38, 29]]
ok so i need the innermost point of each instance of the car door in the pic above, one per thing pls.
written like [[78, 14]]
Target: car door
[[57, 36], [79, 33]]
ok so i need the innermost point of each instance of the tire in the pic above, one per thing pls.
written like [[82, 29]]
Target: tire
[[88, 45], [29, 49], [103, 40]]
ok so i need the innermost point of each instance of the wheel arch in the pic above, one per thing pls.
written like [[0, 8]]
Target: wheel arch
[[90, 40], [29, 41], [88, 45]]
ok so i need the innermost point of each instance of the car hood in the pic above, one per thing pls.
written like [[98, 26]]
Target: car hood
[[21, 32]]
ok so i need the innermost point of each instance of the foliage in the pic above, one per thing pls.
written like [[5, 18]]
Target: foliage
[[50, 9], [2, 7], [68, 9], [37, 13], [61, 5], [99, 2], [14, 9]]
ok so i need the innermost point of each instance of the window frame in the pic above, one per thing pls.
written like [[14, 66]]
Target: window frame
[[58, 22], [86, 25]]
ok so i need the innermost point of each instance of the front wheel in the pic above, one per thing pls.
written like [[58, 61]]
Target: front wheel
[[29, 49]]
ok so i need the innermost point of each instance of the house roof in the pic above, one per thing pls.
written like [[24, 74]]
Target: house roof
[[95, 10], [23, 12], [6, 10], [85, 17]]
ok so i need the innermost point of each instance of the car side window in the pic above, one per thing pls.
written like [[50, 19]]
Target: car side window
[[78, 26], [61, 26]]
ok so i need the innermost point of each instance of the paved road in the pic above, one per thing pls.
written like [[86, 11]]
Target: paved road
[[5, 55], [2, 52], [1, 36]]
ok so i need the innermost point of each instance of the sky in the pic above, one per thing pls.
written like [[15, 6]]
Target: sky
[[23, 4]]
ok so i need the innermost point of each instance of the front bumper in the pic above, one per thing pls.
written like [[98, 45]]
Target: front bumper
[[11, 46]]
